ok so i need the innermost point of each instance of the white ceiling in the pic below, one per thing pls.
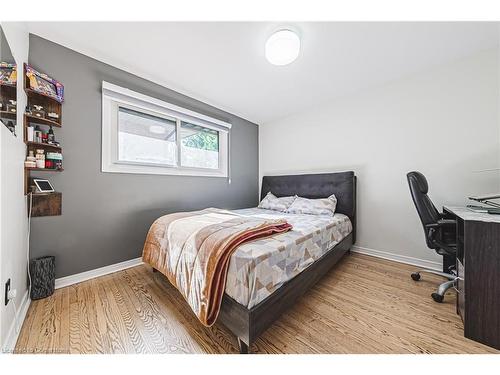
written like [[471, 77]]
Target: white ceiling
[[223, 63]]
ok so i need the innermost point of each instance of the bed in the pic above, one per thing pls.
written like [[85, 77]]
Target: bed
[[266, 276]]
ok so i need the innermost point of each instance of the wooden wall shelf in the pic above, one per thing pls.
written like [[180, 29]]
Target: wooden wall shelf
[[7, 92], [7, 114], [44, 169], [48, 104], [34, 145], [5, 84], [33, 93], [44, 204], [41, 121]]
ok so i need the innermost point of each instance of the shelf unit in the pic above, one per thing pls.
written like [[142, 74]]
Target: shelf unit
[[43, 204], [7, 92]]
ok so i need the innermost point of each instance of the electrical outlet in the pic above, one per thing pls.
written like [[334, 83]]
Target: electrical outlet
[[7, 289]]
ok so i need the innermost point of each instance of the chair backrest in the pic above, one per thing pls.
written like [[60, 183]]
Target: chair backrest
[[426, 210]]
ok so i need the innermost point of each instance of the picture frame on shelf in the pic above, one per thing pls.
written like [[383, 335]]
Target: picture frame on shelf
[[8, 73], [43, 84]]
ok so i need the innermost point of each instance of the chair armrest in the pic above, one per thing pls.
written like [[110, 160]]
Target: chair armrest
[[434, 228], [447, 222], [442, 223]]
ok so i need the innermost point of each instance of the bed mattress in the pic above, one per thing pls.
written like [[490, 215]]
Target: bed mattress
[[258, 268]]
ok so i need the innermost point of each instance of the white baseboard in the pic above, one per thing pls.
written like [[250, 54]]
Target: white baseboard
[[11, 340], [83, 276], [420, 263]]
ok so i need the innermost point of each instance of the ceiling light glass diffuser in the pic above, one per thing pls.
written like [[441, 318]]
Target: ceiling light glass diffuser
[[282, 48]]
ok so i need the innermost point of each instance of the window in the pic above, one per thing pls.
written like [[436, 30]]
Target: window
[[146, 139], [199, 146], [145, 135]]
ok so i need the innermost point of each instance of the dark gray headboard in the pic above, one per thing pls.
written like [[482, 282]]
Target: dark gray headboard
[[342, 184]]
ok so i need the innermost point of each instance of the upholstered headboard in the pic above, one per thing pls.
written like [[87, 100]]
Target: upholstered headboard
[[342, 184]]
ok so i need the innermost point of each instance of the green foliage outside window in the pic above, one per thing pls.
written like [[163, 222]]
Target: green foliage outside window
[[202, 140]]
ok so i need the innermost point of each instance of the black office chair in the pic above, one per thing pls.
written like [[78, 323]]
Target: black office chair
[[439, 233]]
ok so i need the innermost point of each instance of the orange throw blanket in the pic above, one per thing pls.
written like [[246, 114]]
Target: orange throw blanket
[[193, 250]]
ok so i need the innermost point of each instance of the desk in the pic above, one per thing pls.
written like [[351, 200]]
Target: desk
[[478, 269]]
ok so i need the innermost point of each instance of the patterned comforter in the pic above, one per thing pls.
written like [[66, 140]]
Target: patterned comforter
[[258, 268], [193, 249]]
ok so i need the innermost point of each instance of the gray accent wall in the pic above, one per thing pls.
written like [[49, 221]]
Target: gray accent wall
[[106, 215], [5, 52]]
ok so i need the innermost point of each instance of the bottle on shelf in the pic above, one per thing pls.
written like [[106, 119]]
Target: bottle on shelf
[[30, 160], [38, 134], [40, 158], [31, 133], [51, 136]]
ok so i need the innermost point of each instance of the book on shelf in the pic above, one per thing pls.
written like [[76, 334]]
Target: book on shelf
[[30, 133]]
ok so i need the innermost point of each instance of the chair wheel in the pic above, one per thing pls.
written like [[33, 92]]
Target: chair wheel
[[437, 297], [415, 276]]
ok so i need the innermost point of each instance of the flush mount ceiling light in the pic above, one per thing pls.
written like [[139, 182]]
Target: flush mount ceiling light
[[282, 47]]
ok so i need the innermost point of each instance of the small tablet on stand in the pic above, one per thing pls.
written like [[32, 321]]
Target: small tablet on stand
[[43, 186]]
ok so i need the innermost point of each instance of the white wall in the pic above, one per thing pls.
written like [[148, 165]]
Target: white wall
[[442, 122], [13, 202]]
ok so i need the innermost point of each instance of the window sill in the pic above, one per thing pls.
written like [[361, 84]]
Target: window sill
[[141, 169]]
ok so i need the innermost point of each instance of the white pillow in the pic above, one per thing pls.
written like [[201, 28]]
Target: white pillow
[[323, 206], [271, 202]]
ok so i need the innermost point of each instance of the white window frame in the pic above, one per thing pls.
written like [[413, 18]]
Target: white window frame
[[114, 97]]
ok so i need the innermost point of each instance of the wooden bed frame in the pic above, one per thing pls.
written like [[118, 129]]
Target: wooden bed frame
[[247, 324]]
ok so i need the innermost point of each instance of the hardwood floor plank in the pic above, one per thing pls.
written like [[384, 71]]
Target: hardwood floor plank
[[57, 320], [63, 321], [172, 303], [83, 318], [105, 326], [134, 340], [74, 330], [142, 316], [33, 338], [98, 339], [364, 305]]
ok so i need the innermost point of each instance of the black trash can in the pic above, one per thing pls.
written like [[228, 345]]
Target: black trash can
[[43, 277]]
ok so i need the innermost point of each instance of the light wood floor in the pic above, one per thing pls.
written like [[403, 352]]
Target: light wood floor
[[364, 305]]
